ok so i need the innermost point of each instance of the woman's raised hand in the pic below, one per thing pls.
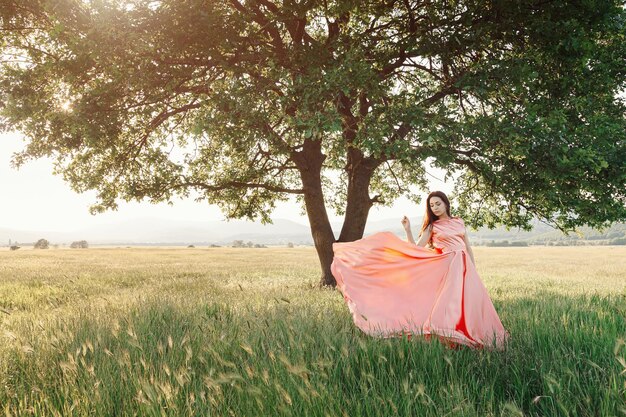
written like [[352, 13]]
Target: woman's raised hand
[[406, 223]]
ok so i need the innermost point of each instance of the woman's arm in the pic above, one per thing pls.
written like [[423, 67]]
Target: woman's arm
[[409, 234], [425, 236], [406, 223], [469, 248]]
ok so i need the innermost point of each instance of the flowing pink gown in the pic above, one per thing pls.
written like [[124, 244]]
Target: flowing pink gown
[[393, 287]]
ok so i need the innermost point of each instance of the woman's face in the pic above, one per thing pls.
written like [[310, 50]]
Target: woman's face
[[437, 206]]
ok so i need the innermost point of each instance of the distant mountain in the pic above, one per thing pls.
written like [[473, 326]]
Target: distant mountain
[[172, 231], [160, 231], [28, 236], [391, 225], [152, 231]]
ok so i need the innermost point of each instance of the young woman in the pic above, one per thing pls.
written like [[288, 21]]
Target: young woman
[[395, 287]]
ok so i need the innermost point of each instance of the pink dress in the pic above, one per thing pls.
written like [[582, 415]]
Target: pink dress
[[393, 287]]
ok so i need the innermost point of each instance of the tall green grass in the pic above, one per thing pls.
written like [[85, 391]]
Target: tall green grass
[[244, 332]]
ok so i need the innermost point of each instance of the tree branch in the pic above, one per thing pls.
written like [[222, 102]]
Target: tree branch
[[238, 184], [266, 25], [137, 146]]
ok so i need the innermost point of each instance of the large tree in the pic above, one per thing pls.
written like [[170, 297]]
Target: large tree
[[339, 103]]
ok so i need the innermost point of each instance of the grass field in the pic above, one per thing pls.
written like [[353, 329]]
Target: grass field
[[244, 332]]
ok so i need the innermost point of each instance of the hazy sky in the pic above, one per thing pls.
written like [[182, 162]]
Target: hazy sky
[[35, 199]]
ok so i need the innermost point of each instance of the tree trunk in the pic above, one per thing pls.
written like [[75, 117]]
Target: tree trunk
[[360, 170], [358, 203], [309, 162]]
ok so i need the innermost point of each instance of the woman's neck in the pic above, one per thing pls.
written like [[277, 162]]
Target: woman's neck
[[444, 216]]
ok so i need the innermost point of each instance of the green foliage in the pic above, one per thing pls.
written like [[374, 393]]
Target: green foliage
[[158, 100]]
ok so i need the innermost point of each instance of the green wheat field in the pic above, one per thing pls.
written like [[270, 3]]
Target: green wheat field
[[245, 332]]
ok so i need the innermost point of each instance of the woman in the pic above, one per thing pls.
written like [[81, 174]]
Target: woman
[[394, 287]]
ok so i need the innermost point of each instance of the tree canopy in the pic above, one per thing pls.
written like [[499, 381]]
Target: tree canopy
[[338, 103]]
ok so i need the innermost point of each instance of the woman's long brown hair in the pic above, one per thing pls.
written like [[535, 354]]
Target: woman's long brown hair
[[430, 217]]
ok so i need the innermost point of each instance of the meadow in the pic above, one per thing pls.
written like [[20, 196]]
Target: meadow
[[246, 332]]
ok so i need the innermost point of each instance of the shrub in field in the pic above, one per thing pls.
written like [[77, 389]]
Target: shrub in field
[[42, 244]]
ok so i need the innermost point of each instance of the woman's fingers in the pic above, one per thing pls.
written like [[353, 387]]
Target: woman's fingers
[[405, 221]]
